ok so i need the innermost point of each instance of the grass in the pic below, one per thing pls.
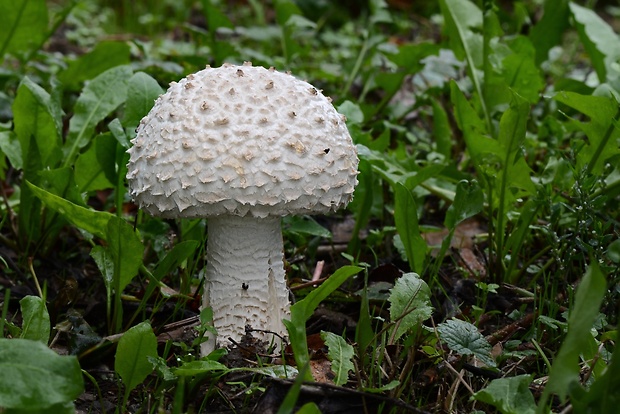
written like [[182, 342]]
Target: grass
[[476, 269]]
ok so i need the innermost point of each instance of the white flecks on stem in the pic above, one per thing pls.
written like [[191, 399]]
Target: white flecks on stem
[[245, 281]]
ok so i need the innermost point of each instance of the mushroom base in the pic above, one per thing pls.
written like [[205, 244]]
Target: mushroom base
[[245, 280]]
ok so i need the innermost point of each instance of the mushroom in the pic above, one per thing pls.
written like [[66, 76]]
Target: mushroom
[[242, 146]]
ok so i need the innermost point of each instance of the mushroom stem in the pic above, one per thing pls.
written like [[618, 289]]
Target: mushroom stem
[[245, 281]]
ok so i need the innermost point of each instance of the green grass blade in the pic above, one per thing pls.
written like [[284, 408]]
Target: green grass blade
[[303, 310], [565, 369]]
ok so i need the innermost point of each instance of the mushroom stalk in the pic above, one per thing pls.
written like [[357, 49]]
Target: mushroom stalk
[[245, 280]]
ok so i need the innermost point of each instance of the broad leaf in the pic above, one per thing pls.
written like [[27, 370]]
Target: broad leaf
[[509, 395], [37, 115], [142, 91], [441, 130], [352, 111], [464, 339], [602, 131], [461, 17], [519, 70], [11, 147], [410, 304], [406, 220], [600, 41], [131, 359], [549, 30], [98, 99], [126, 250], [34, 377], [95, 169], [340, 353], [105, 264], [468, 121], [24, 26], [309, 408], [105, 55], [36, 319], [305, 225], [94, 222], [61, 182], [468, 201]]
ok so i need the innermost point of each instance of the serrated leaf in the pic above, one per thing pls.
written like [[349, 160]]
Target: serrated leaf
[[131, 359], [599, 40], [409, 304], [340, 353], [98, 99], [601, 130], [509, 395], [161, 366], [463, 21], [464, 339], [36, 319], [35, 377], [274, 371], [461, 17], [200, 367]]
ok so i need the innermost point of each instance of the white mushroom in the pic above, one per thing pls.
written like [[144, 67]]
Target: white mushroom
[[274, 147]]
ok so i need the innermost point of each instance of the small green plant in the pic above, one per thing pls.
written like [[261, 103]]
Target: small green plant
[[302, 310], [511, 395], [132, 360], [38, 378]]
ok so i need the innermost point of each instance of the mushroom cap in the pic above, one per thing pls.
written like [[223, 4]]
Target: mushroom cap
[[242, 140]]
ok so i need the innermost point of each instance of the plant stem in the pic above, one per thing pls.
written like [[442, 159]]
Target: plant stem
[[34, 277], [5, 310], [358, 64]]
